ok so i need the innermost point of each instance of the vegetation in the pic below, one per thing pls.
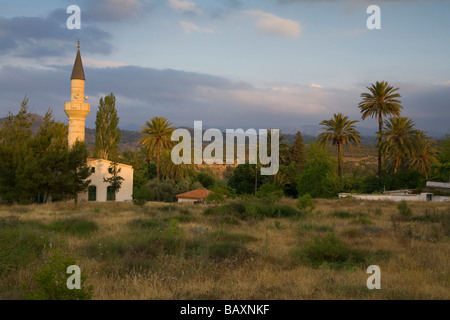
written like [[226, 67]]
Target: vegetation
[[339, 131], [382, 100], [107, 133], [40, 167], [156, 136], [177, 251]]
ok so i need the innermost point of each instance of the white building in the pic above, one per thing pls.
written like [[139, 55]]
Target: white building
[[99, 190]]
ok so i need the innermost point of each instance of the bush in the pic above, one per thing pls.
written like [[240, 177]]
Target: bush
[[51, 281], [205, 179], [142, 195], [404, 210], [306, 202], [330, 251], [215, 197], [286, 212], [270, 192]]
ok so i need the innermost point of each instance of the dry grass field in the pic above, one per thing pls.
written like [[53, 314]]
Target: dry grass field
[[182, 251]]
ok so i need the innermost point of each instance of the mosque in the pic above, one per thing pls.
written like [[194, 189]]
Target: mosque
[[77, 110]]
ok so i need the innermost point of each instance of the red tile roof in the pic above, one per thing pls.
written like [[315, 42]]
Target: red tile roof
[[195, 194]]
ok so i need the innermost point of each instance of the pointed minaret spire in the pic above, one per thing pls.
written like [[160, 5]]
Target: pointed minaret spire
[[78, 71], [77, 109]]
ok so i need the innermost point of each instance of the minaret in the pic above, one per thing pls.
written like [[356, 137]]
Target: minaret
[[77, 109]]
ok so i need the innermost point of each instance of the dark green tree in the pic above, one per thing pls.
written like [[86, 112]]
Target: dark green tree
[[319, 167], [298, 154], [107, 133], [44, 169], [15, 137], [444, 150], [243, 179], [78, 170]]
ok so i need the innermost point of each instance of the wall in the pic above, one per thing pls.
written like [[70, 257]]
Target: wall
[[101, 170]]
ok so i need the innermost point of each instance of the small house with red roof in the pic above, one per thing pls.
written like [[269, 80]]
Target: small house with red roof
[[194, 196]]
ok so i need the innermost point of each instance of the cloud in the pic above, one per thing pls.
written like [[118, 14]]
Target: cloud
[[315, 85], [444, 83], [184, 97], [114, 10], [35, 37], [269, 24], [189, 27], [184, 6]]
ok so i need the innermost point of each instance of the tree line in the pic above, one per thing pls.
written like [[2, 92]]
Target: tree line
[[43, 165]]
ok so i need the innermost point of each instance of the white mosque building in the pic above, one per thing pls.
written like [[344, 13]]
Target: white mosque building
[[77, 110]]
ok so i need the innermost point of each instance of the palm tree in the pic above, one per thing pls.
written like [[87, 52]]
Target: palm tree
[[339, 131], [381, 101], [157, 137], [425, 154], [170, 170], [399, 140]]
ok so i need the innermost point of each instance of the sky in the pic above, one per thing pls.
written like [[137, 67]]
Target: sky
[[285, 64]]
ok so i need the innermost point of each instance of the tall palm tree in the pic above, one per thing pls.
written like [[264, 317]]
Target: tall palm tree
[[425, 154], [399, 140], [156, 136], [381, 101], [339, 131]]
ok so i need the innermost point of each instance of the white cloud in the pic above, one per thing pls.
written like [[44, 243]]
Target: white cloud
[[185, 6], [269, 24], [190, 27], [315, 85]]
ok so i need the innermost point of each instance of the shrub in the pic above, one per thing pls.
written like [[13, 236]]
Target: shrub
[[286, 211], [205, 179], [270, 192], [404, 210], [330, 251], [215, 197], [142, 195], [306, 202], [51, 281]]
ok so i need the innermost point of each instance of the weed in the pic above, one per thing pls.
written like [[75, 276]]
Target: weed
[[313, 227], [343, 214], [21, 244], [74, 226], [378, 211]]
